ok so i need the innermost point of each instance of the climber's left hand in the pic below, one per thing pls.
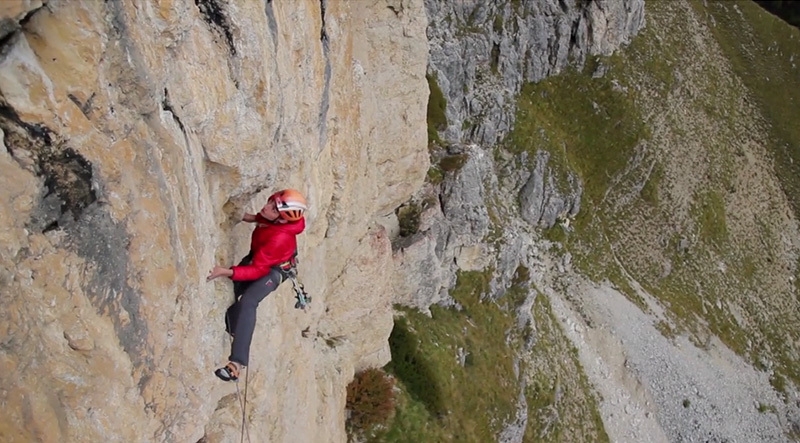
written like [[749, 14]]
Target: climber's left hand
[[219, 271]]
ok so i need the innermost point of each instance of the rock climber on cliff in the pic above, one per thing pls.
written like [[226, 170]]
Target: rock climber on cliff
[[273, 248]]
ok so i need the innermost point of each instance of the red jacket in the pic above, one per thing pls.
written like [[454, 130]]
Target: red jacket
[[271, 244]]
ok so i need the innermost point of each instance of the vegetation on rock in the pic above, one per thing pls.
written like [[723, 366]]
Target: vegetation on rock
[[370, 401], [674, 141], [687, 149], [457, 376]]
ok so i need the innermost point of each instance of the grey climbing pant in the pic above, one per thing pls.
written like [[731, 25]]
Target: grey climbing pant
[[242, 314]]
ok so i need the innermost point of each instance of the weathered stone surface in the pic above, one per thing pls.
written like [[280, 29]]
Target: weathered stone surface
[[12, 11], [424, 260], [136, 134], [464, 198], [483, 52], [542, 201]]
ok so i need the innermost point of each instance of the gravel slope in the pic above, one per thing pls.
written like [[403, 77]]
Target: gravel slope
[[655, 389]]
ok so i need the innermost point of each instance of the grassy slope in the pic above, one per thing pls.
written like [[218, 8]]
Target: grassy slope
[[765, 53], [676, 145], [441, 400], [562, 405], [662, 142]]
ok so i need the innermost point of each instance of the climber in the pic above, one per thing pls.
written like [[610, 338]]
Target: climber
[[273, 248]]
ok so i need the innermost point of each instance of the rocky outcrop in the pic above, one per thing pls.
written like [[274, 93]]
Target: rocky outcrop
[[541, 201], [135, 135], [454, 221], [12, 12], [481, 55], [483, 52]]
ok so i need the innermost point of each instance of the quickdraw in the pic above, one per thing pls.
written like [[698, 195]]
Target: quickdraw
[[301, 296]]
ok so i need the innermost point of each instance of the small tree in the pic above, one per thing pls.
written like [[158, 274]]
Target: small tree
[[370, 400]]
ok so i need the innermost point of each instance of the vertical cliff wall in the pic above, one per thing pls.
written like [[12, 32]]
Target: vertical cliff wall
[[135, 134]]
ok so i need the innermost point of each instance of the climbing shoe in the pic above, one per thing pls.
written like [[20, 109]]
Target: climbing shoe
[[227, 373]]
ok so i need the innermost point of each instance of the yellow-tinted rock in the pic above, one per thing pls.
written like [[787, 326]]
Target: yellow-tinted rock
[[140, 133]]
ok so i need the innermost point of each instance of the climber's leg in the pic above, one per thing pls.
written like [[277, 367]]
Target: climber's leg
[[246, 321]]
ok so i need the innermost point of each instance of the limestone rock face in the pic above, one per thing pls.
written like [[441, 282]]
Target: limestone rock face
[[135, 135], [483, 52], [12, 11], [424, 260]]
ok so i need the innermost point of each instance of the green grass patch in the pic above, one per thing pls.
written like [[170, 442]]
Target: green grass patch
[[415, 368], [453, 163], [587, 125], [445, 400], [592, 251], [437, 121], [437, 105], [650, 190], [665, 329], [765, 53], [783, 360], [435, 175], [408, 217], [411, 420], [709, 211], [764, 408], [441, 399], [516, 294], [497, 24], [697, 309]]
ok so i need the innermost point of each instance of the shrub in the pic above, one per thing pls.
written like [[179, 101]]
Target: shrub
[[452, 163], [409, 217], [370, 400]]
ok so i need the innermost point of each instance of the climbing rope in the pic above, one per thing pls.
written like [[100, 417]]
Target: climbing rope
[[303, 299], [243, 402], [243, 405]]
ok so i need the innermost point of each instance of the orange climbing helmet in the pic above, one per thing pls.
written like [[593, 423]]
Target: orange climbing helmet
[[290, 203]]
